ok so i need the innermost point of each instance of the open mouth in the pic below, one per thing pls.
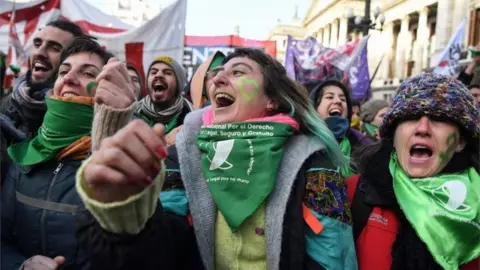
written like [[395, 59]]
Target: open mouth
[[224, 100], [420, 152], [69, 94], [159, 86], [40, 66], [335, 112]]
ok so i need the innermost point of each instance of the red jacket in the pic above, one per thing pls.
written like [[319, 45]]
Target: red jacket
[[374, 244]]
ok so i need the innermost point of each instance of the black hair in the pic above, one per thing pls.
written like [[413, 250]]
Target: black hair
[[317, 93], [67, 26], [132, 67], [471, 86], [356, 103], [85, 44]]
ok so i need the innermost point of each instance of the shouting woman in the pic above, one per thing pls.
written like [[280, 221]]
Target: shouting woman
[[334, 105], [258, 168], [416, 202], [39, 200]]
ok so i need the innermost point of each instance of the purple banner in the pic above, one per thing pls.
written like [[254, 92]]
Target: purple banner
[[359, 77], [308, 61]]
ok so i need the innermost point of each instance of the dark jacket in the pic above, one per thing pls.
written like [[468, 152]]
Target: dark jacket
[[39, 210], [168, 241], [465, 78]]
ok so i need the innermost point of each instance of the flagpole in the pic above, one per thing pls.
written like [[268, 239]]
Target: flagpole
[[376, 69]]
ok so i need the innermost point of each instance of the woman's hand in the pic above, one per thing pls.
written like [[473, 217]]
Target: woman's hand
[[115, 88], [126, 163], [39, 262]]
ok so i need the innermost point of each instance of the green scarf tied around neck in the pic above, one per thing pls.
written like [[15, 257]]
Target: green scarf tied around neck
[[240, 163], [64, 123], [346, 148], [370, 129], [444, 210]]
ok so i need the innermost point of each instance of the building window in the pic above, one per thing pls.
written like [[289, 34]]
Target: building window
[[474, 31], [284, 43]]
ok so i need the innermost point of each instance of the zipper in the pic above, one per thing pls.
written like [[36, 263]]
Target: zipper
[[43, 233]]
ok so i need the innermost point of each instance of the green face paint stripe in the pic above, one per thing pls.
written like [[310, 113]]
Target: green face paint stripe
[[91, 85], [245, 81], [451, 141]]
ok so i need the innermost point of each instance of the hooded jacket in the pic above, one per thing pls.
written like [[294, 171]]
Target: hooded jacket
[[355, 137]]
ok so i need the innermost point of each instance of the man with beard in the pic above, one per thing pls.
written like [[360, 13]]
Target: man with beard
[[22, 112], [164, 104], [26, 105]]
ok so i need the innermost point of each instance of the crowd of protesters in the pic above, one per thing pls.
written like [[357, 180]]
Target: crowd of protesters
[[238, 168]]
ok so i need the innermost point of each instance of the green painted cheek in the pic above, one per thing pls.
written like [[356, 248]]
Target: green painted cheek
[[246, 94], [91, 86]]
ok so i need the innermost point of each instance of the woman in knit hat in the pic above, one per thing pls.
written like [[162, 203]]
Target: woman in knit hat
[[416, 203], [259, 169], [39, 201], [334, 105], [372, 115]]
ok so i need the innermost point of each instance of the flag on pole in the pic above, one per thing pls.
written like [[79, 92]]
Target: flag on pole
[[16, 52], [307, 61], [448, 62]]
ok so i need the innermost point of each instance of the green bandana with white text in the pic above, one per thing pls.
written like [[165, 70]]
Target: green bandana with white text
[[240, 162], [444, 210]]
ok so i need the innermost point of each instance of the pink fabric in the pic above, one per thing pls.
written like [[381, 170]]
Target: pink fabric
[[278, 118]]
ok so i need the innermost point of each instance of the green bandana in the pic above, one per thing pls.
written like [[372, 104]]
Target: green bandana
[[370, 129], [168, 126], [346, 150], [240, 163], [444, 210], [64, 123]]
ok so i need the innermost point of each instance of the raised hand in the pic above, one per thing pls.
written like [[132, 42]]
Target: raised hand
[[115, 88], [39, 262], [126, 163]]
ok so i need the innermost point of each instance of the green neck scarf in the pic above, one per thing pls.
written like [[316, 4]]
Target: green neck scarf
[[64, 123], [168, 126], [346, 150], [370, 129], [444, 210], [240, 163]]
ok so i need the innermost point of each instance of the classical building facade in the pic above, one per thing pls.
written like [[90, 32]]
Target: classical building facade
[[281, 31], [412, 37]]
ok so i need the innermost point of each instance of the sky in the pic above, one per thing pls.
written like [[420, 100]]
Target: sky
[[256, 18]]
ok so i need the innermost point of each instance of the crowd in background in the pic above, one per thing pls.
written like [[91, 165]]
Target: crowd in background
[[238, 168]]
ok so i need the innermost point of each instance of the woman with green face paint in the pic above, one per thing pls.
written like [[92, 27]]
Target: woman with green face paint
[[39, 201], [415, 204], [251, 183]]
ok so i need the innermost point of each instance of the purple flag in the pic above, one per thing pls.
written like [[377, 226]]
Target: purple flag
[[307, 61], [359, 77]]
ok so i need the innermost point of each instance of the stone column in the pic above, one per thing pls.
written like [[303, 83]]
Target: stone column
[[387, 40], [402, 47], [443, 29], [460, 12], [320, 36], [422, 41], [326, 35], [342, 34], [334, 34]]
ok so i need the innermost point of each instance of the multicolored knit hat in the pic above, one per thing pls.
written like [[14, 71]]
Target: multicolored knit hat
[[433, 95]]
